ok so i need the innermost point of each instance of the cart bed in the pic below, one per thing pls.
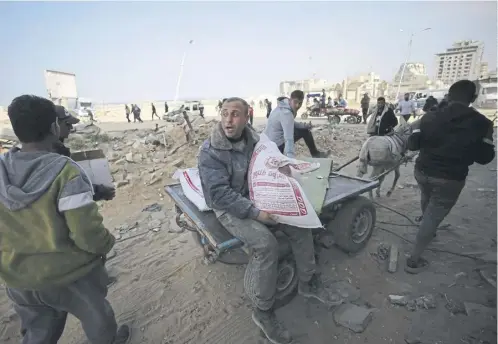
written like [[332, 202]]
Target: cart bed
[[205, 221], [343, 187]]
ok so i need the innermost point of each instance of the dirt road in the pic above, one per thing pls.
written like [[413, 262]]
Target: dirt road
[[169, 296]]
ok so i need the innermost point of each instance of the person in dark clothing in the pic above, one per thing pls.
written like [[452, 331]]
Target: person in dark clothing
[[201, 110], [136, 113], [449, 141], [382, 119], [251, 114], [365, 104], [444, 102], [90, 114], [430, 104], [322, 99], [154, 113], [66, 122], [127, 111], [166, 107], [268, 108]]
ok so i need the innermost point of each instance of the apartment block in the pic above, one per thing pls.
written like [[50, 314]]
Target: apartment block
[[462, 61]]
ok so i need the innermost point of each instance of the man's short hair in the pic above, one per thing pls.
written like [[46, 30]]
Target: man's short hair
[[31, 117], [381, 99], [237, 99], [297, 94], [462, 91]]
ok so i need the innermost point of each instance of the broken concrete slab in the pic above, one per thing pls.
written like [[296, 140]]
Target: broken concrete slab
[[472, 309], [353, 317], [398, 300]]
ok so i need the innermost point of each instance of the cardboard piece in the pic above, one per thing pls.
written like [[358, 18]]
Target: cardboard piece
[[316, 183], [95, 165]]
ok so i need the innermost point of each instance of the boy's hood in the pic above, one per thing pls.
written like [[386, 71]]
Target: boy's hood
[[26, 176]]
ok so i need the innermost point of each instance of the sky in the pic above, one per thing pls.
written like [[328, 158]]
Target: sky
[[130, 51]]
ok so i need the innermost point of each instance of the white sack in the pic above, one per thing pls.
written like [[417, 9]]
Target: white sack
[[191, 186], [274, 192]]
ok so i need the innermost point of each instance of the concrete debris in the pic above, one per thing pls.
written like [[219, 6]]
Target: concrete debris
[[129, 157], [154, 207], [155, 225], [412, 304], [382, 252], [353, 317], [393, 259], [398, 300], [177, 162], [473, 309]]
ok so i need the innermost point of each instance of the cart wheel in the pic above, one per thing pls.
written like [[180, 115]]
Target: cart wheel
[[358, 119], [334, 119], [304, 115], [287, 282], [351, 119], [353, 224]]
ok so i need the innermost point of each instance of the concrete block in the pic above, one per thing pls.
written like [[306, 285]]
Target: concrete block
[[393, 259], [353, 317]]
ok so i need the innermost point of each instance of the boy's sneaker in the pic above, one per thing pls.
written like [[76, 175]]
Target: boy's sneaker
[[274, 331]]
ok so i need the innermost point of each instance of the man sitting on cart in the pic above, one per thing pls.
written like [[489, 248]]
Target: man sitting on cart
[[284, 131], [223, 166]]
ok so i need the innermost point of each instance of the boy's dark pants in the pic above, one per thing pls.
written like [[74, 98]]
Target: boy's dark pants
[[438, 196], [43, 314]]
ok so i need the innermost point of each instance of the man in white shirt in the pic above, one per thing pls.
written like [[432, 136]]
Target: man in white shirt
[[406, 107]]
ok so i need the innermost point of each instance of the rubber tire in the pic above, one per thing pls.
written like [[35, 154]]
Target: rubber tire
[[334, 119], [304, 115], [358, 119], [342, 225], [281, 297], [351, 119], [287, 295]]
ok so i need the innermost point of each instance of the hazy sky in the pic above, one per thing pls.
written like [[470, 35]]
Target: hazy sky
[[124, 51]]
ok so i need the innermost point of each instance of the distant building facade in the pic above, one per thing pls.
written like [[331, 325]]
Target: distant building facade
[[306, 85], [462, 61]]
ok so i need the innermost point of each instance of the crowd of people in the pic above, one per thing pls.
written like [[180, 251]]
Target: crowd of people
[[55, 244]]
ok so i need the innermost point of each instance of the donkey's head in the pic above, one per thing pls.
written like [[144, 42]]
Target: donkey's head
[[404, 129]]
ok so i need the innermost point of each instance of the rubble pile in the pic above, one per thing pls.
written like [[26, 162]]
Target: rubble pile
[[344, 142], [148, 156]]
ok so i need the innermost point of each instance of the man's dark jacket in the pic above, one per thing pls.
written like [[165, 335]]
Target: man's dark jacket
[[450, 140]]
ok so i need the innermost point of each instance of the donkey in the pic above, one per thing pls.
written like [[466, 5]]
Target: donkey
[[384, 153]]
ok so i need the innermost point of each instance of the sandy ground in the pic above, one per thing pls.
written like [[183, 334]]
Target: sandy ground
[[169, 296]]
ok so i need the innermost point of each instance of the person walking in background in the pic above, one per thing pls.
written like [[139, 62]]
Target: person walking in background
[[136, 113], [365, 104], [127, 111], [201, 110], [166, 107], [406, 108], [251, 114], [268, 107], [261, 104], [322, 99], [53, 236], [449, 140], [154, 113]]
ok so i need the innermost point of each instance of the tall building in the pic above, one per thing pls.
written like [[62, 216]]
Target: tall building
[[483, 73], [461, 61]]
